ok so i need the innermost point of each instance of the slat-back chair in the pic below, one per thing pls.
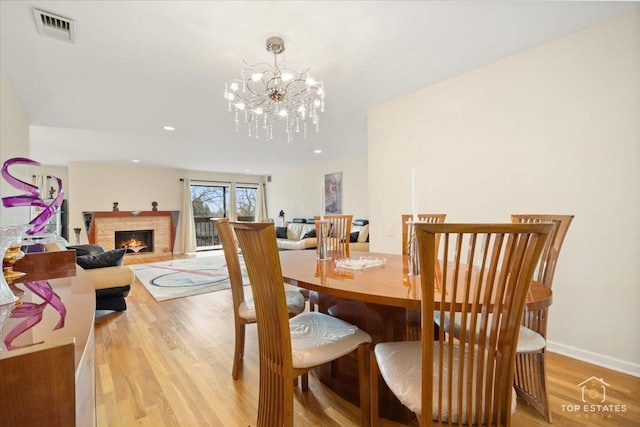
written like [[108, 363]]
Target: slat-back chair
[[428, 218], [244, 307], [291, 347], [339, 232], [530, 377], [337, 243], [487, 269]]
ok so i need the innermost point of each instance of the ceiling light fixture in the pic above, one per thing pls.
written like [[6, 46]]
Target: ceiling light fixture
[[266, 93], [168, 128]]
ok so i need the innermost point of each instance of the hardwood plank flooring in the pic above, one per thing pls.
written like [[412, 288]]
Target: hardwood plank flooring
[[169, 364]]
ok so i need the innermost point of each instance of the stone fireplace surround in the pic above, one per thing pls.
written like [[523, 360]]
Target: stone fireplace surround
[[101, 228]]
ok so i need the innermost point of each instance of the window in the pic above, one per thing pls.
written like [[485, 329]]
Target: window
[[246, 196], [208, 201]]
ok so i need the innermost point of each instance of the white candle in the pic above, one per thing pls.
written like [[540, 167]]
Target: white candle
[[413, 194], [322, 200]]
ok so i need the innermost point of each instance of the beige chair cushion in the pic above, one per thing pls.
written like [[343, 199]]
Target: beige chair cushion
[[401, 367], [528, 340], [295, 303], [318, 338]]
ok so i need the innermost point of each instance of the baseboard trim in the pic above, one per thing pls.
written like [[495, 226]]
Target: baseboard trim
[[595, 358]]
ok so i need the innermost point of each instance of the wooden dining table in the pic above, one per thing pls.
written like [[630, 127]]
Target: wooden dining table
[[384, 301], [389, 284]]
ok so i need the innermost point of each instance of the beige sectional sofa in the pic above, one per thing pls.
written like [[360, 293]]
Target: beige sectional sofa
[[294, 236]]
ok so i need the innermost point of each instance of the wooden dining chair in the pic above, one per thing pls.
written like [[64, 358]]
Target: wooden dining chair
[[530, 376], [244, 306], [428, 218], [486, 274], [291, 347], [339, 232], [337, 243]]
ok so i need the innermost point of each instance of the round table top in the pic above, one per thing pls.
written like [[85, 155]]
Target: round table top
[[389, 284]]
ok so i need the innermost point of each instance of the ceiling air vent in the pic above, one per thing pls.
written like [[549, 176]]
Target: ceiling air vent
[[56, 27]]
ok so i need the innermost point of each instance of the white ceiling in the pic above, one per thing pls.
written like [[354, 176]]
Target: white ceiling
[[139, 65]]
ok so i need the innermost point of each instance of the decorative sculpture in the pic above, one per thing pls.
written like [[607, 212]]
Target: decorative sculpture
[[10, 250]]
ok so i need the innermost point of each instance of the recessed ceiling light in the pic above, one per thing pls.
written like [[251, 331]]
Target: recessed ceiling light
[[168, 128], [136, 161], [317, 151], [247, 170]]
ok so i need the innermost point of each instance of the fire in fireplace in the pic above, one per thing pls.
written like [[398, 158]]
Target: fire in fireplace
[[135, 241]]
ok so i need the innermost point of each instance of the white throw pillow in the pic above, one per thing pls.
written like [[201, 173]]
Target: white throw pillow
[[364, 234]]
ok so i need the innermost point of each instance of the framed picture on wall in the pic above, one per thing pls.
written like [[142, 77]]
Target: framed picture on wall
[[333, 193]]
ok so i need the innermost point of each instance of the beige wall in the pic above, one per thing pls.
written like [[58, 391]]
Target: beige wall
[[554, 129], [95, 186], [14, 142], [299, 194]]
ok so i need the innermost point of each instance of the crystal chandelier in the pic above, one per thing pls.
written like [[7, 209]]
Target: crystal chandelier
[[265, 94]]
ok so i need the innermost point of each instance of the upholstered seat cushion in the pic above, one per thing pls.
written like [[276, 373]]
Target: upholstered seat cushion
[[295, 303], [528, 340], [318, 338], [400, 365]]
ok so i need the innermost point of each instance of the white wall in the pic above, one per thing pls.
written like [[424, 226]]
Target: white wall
[[554, 129], [95, 186], [14, 142], [299, 194]]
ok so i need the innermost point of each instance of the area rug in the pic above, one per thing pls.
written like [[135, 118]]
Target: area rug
[[185, 277]]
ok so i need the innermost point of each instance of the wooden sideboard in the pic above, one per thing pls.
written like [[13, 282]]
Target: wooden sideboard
[[48, 377]]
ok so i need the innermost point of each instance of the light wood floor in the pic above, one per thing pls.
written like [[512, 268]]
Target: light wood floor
[[169, 364]]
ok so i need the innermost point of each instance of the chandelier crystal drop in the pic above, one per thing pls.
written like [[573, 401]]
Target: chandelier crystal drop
[[266, 95]]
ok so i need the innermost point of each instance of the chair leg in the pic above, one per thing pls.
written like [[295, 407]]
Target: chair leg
[[238, 352], [373, 379], [364, 368], [305, 382]]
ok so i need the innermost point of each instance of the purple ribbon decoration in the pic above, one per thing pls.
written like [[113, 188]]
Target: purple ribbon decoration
[[32, 198], [32, 312]]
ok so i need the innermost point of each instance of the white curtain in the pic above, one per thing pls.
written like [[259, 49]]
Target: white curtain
[[187, 226], [261, 204], [232, 212]]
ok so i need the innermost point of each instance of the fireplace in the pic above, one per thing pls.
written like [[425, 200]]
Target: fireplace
[[104, 225], [135, 241]]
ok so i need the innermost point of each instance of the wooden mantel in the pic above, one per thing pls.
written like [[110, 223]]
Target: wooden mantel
[[164, 224]]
